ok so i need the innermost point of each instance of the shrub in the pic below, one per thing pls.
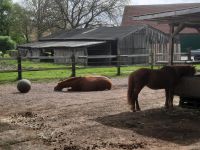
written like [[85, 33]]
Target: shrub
[[12, 53], [6, 43]]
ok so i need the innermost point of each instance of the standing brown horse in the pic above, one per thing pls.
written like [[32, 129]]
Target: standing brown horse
[[164, 78], [93, 83]]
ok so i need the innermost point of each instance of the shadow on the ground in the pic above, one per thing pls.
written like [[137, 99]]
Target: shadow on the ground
[[179, 125], [5, 127]]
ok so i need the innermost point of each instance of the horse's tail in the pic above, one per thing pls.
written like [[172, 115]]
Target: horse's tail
[[130, 89]]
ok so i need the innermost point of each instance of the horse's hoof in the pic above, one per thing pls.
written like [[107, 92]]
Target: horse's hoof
[[133, 110], [166, 107], [138, 109], [169, 108]]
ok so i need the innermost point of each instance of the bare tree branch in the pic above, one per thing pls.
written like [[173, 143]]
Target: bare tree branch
[[47, 15], [82, 13]]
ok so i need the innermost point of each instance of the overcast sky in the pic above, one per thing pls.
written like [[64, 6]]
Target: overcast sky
[[147, 2]]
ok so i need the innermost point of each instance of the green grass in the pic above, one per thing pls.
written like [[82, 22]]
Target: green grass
[[57, 74], [31, 64]]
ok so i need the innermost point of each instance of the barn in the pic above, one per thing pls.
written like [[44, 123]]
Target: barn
[[103, 45], [188, 37]]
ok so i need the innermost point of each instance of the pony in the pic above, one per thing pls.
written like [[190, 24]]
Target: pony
[[92, 83], [165, 78]]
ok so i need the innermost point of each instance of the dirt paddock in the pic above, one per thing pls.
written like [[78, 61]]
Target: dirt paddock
[[43, 119]]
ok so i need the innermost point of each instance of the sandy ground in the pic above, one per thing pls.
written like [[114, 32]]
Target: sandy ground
[[43, 119]]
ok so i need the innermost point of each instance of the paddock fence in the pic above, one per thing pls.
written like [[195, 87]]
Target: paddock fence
[[117, 61]]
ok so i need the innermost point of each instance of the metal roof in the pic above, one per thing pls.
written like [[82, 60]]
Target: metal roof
[[143, 10], [53, 44], [85, 37], [189, 17], [102, 33]]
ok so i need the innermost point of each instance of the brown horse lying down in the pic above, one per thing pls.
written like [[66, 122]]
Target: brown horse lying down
[[93, 83], [164, 78]]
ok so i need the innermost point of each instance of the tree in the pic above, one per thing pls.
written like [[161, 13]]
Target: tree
[[49, 15], [83, 13], [5, 12], [21, 25], [14, 21], [6, 43], [41, 15]]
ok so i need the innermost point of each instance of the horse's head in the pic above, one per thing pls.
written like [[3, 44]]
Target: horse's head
[[66, 83], [185, 70], [59, 86]]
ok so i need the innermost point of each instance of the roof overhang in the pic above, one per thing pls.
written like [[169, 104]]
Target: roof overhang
[[60, 44], [189, 17]]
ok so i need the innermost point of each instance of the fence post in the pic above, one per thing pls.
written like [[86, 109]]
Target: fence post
[[118, 65], [19, 66], [118, 59], [189, 54], [73, 66], [152, 59]]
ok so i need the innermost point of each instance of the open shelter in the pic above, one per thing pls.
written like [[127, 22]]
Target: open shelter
[[177, 21]]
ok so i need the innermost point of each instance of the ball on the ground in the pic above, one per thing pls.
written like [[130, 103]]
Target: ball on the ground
[[24, 85]]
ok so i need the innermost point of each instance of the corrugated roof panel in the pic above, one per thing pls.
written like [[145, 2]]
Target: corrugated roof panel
[[138, 10], [69, 44], [102, 33]]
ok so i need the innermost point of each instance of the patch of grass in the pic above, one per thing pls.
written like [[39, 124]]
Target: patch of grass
[[60, 74], [50, 75], [197, 67], [30, 64], [32, 75]]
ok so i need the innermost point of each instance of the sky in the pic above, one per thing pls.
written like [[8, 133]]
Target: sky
[[149, 2]]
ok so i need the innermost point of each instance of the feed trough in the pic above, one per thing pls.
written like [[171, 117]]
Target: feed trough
[[189, 92]]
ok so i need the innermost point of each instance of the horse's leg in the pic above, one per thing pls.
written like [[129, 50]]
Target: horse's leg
[[137, 91], [171, 97], [137, 105], [133, 99], [169, 93], [167, 98]]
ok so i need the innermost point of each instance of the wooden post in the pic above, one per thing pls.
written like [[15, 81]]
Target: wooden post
[[118, 66], [110, 53], [152, 58], [173, 33], [189, 54], [19, 66], [118, 60], [73, 65], [171, 44]]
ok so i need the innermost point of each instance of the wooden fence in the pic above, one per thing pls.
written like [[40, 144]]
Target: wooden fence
[[74, 63], [73, 66]]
